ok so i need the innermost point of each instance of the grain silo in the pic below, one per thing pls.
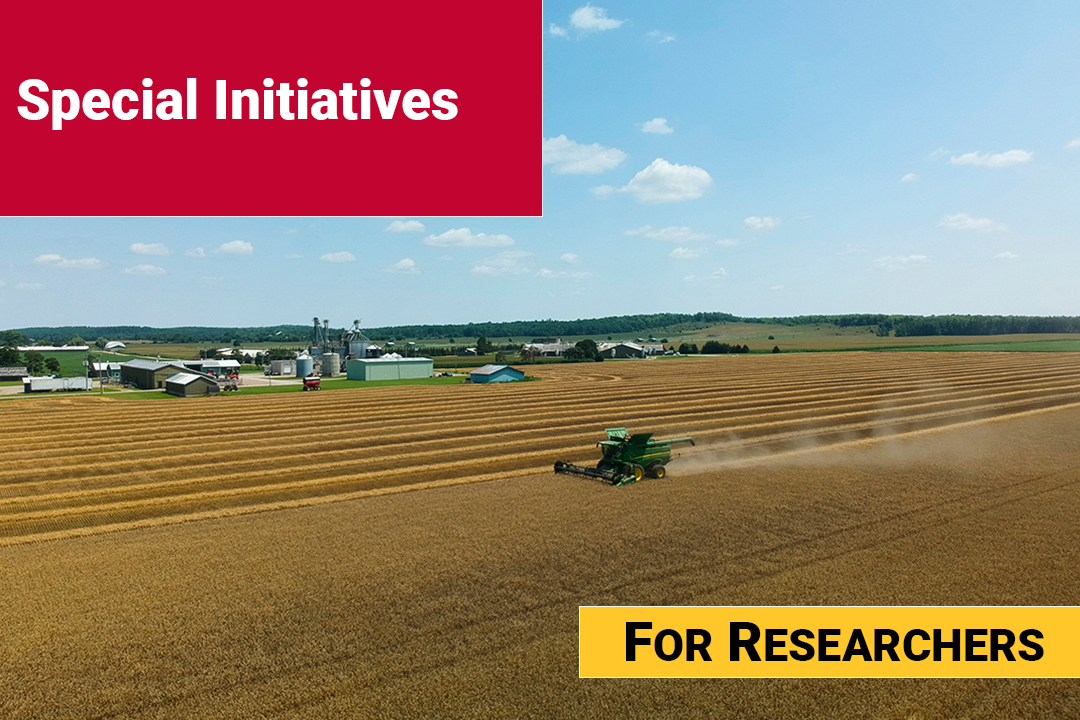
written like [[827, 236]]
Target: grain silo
[[305, 365]]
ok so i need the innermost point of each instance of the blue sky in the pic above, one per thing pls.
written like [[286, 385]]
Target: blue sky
[[759, 158]]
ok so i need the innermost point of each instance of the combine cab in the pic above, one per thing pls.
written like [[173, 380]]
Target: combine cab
[[627, 458]]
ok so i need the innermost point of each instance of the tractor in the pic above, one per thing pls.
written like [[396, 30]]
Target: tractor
[[627, 458], [312, 382]]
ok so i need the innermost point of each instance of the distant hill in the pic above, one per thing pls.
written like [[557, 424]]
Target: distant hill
[[895, 325]]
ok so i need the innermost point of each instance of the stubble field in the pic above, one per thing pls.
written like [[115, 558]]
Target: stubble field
[[406, 552]]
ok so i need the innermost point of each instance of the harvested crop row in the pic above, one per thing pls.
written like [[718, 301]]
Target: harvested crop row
[[692, 378], [109, 440], [341, 445], [126, 463]]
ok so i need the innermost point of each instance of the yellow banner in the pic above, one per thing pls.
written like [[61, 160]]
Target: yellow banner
[[833, 642]]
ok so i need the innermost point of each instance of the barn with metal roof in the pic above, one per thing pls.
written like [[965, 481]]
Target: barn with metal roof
[[191, 384], [387, 368], [13, 373], [149, 374]]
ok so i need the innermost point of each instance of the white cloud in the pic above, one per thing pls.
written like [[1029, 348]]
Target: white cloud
[[761, 223], [994, 160], [571, 158], [569, 258], [669, 234], [2, 283], [727, 242], [938, 154], [196, 253], [1073, 144], [508, 262], [890, 263], [403, 267], [593, 19], [54, 260], [547, 274], [963, 221], [664, 182], [777, 288], [658, 126], [715, 276], [1006, 256], [602, 191], [660, 37], [293, 256], [463, 237], [853, 249], [29, 286], [685, 253], [144, 270], [910, 177], [401, 226], [557, 31], [338, 257], [150, 249], [236, 247]]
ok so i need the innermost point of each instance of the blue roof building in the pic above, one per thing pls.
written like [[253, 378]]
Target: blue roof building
[[496, 373]]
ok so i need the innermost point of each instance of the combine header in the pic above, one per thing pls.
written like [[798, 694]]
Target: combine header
[[627, 458]]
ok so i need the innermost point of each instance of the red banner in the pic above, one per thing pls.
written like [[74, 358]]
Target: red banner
[[221, 109]]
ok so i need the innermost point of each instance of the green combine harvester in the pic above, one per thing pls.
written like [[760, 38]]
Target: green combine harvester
[[627, 458]]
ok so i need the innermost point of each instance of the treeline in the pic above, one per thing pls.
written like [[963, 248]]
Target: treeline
[[615, 325], [925, 325], [713, 347], [909, 326], [184, 335], [884, 325]]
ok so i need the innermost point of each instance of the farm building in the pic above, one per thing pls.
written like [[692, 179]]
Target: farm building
[[496, 373], [551, 349], [149, 374], [191, 384], [238, 352], [53, 348], [115, 345], [282, 367], [12, 373], [48, 384], [215, 367], [108, 369], [621, 350], [390, 368]]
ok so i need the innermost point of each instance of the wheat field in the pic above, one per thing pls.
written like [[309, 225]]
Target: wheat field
[[407, 552]]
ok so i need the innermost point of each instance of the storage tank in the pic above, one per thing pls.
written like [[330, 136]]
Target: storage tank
[[304, 366], [359, 348], [331, 364]]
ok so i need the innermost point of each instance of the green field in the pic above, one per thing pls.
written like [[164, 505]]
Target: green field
[[331, 384]]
